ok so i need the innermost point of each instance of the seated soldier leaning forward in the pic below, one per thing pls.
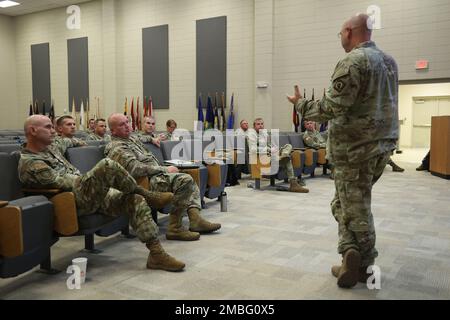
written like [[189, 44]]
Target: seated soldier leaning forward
[[139, 162], [107, 188]]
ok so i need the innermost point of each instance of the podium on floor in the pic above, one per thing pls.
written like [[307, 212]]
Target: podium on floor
[[440, 147]]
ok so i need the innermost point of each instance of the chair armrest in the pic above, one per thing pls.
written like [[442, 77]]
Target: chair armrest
[[66, 218], [194, 173], [11, 236], [3, 204], [296, 159], [309, 157], [214, 175], [46, 192], [321, 158]]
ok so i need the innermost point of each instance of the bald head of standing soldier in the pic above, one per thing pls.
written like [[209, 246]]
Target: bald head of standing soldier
[[361, 105]]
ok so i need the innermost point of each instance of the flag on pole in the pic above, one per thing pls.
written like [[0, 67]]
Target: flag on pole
[[223, 123], [133, 119], [145, 106], [82, 120], [30, 112], [295, 119], [216, 114], [150, 106], [51, 113], [200, 117], [125, 108], [209, 121], [138, 116], [87, 115], [36, 107], [230, 124], [74, 112]]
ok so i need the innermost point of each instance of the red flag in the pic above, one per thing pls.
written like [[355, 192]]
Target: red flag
[[150, 107], [138, 116], [145, 106], [133, 122], [295, 119]]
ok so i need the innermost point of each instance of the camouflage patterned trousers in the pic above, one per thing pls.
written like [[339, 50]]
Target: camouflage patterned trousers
[[108, 189], [287, 165], [351, 206], [185, 191]]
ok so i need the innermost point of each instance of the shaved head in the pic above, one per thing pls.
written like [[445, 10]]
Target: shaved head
[[356, 30], [33, 121], [119, 125], [39, 132]]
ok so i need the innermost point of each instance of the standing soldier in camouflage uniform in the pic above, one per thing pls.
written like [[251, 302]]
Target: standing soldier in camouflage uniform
[[65, 127], [313, 138], [148, 135], [107, 188], [362, 104], [99, 133], [132, 155], [258, 143]]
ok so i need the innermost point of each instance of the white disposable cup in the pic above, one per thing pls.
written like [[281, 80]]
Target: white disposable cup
[[82, 263]]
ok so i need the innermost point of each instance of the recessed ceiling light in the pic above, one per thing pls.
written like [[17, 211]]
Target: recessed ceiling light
[[8, 3]]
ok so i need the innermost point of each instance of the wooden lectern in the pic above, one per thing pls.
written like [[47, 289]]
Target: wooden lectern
[[440, 147]]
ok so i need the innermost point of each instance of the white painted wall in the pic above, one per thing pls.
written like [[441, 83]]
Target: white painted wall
[[8, 91], [282, 42]]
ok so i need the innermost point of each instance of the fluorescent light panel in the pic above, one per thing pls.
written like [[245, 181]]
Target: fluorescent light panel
[[8, 3]]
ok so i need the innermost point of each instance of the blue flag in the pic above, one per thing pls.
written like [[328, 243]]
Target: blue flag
[[200, 109], [209, 123], [230, 124]]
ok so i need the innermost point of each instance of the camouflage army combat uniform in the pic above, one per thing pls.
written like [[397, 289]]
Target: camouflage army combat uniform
[[95, 137], [139, 162], [314, 139], [63, 143], [362, 106], [97, 190], [146, 137], [260, 144]]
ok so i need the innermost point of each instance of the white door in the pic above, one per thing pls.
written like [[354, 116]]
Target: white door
[[423, 110]]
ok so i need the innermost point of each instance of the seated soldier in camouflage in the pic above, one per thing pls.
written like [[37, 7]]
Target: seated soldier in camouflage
[[171, 125], [107, 188], [132, 155], [65, 127], [313, 138], [148, 135], [99, 133], [258, 143]]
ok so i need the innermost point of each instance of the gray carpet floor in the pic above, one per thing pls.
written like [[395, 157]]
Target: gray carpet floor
[[272, 245]]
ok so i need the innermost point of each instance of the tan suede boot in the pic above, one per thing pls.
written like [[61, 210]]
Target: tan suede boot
[[198, 224], [159, 259], [156, 200], [296, 187], [176, 231], [349, 272]]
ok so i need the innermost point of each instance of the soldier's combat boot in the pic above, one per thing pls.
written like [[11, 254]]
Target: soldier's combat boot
[[395, 167], [160, 259], [156, 200], [296, 187], [176, 231], [198, 224], [349, 271], [363, 275]]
